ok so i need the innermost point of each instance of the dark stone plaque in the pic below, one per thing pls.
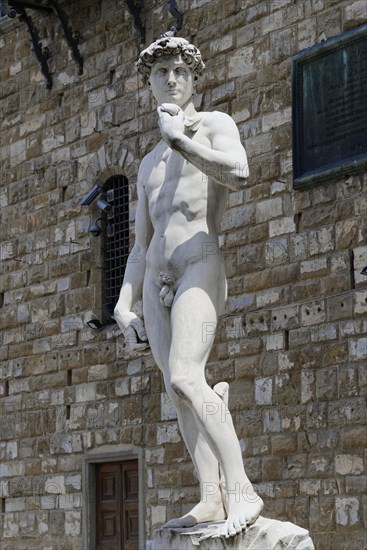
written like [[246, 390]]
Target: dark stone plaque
[[330, 109]]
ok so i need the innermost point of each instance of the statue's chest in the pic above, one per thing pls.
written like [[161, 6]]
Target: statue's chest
[[169, 171], [174, 184], [167, 165]]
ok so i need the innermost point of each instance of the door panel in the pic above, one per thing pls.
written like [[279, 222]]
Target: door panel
[[117, 506]]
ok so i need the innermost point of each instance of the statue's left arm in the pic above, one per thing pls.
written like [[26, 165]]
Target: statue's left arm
[[225, 160]]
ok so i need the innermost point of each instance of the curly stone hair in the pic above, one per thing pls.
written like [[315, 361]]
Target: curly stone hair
[[168, 46]]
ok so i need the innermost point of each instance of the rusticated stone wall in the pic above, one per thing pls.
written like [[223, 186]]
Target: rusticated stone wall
[[293, 340]]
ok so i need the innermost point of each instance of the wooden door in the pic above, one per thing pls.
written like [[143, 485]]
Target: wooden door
[[117, 506]]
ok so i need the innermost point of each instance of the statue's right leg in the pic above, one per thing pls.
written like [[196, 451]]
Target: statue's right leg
[[194, 310], [157, 319]]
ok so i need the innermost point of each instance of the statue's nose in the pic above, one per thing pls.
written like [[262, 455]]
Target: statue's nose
[[171, 77]]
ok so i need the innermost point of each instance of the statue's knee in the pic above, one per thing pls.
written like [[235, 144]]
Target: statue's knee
[[181, 387]]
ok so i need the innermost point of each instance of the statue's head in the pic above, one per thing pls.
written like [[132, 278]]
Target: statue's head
[[170, 46]]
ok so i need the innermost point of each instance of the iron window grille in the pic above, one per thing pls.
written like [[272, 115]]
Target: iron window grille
[[116, 241]]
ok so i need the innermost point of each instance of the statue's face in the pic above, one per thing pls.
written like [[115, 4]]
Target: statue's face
[[171, 81]]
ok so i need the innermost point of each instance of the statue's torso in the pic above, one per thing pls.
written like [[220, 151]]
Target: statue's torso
[[185, 208]]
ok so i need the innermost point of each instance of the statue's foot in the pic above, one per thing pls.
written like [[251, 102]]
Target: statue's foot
[[241, 515], [203, 512]]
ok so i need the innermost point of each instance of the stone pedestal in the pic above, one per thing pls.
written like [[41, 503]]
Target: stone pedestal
[[264, 534]]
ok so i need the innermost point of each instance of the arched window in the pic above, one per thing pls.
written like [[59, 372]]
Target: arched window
[[115, 241]]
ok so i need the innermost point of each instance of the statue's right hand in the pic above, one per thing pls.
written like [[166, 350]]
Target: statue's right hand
[[133, 330]]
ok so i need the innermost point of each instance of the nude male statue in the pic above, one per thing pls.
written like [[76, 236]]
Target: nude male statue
[[182, 194]]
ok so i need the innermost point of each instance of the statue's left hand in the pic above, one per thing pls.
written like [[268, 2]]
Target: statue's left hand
[[171, 120]]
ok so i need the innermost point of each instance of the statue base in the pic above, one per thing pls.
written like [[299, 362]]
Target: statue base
[[264, 534]]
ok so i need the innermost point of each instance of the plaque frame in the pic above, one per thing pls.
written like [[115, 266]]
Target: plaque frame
[[303, 178]]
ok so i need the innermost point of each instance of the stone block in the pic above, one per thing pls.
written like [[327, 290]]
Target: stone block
[[349, 385], [270, 297], [242, 62], [276, 252], [257, 11], [348, 464], [323, 333], [272, 468], [122, 387], [281, 227], [316, 416], [221, 44], [256, 281], [347, 411], [72, 523], [256, 323], [237, 217], [326, 383], [321, 241], [85, 392], [66, 444], [55, 485], [360, 302], [355, 13], [271, 421], [168, 412], [308, 386], [362, 379], [307, 290], [340, 262], [339, 307], [264, 391], [140, 384], [334, 353], [261, 445], [347, 234], [354, 437], [313, 313], [356, 484], [285, 318], [359, 262], [346, 510], [284, 444], [168, 433], [269, 209], [307, 33], [314, 268], [11, 525], [287, 388], [240, 302], [322, 514], [350, 328], [275, 341], [358, 349], [159, 514]]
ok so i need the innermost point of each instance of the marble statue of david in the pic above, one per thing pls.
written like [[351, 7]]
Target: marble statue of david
[[182, 194]]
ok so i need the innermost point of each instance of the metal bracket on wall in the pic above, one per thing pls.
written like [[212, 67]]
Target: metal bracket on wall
[[71, 39], [13, 7], [135, 7], [172, 6], [41, 53]]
